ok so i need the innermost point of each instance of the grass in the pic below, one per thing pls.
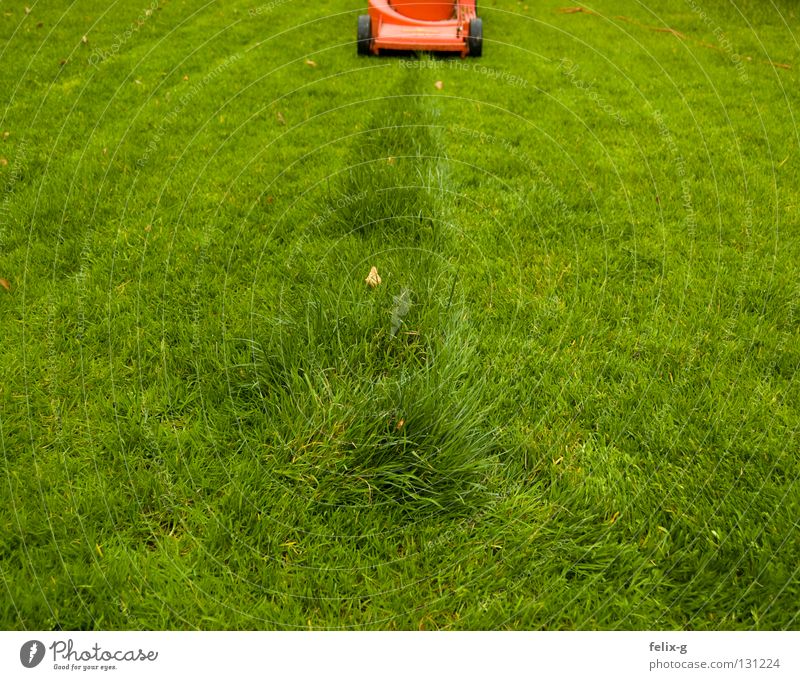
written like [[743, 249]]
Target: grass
[[570, 403]]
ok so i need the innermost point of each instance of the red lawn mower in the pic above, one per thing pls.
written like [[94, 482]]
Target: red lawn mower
[[416, 25]]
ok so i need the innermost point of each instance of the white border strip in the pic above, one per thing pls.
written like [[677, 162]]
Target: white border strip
[[401, 655]]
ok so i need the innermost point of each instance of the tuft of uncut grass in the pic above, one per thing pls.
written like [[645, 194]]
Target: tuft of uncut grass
[[393, 420], [392, 187], [374, 394]]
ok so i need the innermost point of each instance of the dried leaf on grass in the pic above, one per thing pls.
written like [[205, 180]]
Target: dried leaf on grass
[[373, 279]]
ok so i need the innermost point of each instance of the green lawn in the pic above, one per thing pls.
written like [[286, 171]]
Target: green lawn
[[572, 401]]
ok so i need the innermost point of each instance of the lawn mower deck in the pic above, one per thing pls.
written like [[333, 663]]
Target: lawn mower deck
[[438, 26]]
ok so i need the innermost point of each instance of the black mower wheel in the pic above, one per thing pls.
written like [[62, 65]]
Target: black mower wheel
[[364, 34], [475, 39]]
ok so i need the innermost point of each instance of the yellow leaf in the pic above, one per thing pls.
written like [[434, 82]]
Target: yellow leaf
[[373, 279]]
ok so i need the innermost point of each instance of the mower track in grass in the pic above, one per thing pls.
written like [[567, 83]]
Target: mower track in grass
[[375, 394]]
